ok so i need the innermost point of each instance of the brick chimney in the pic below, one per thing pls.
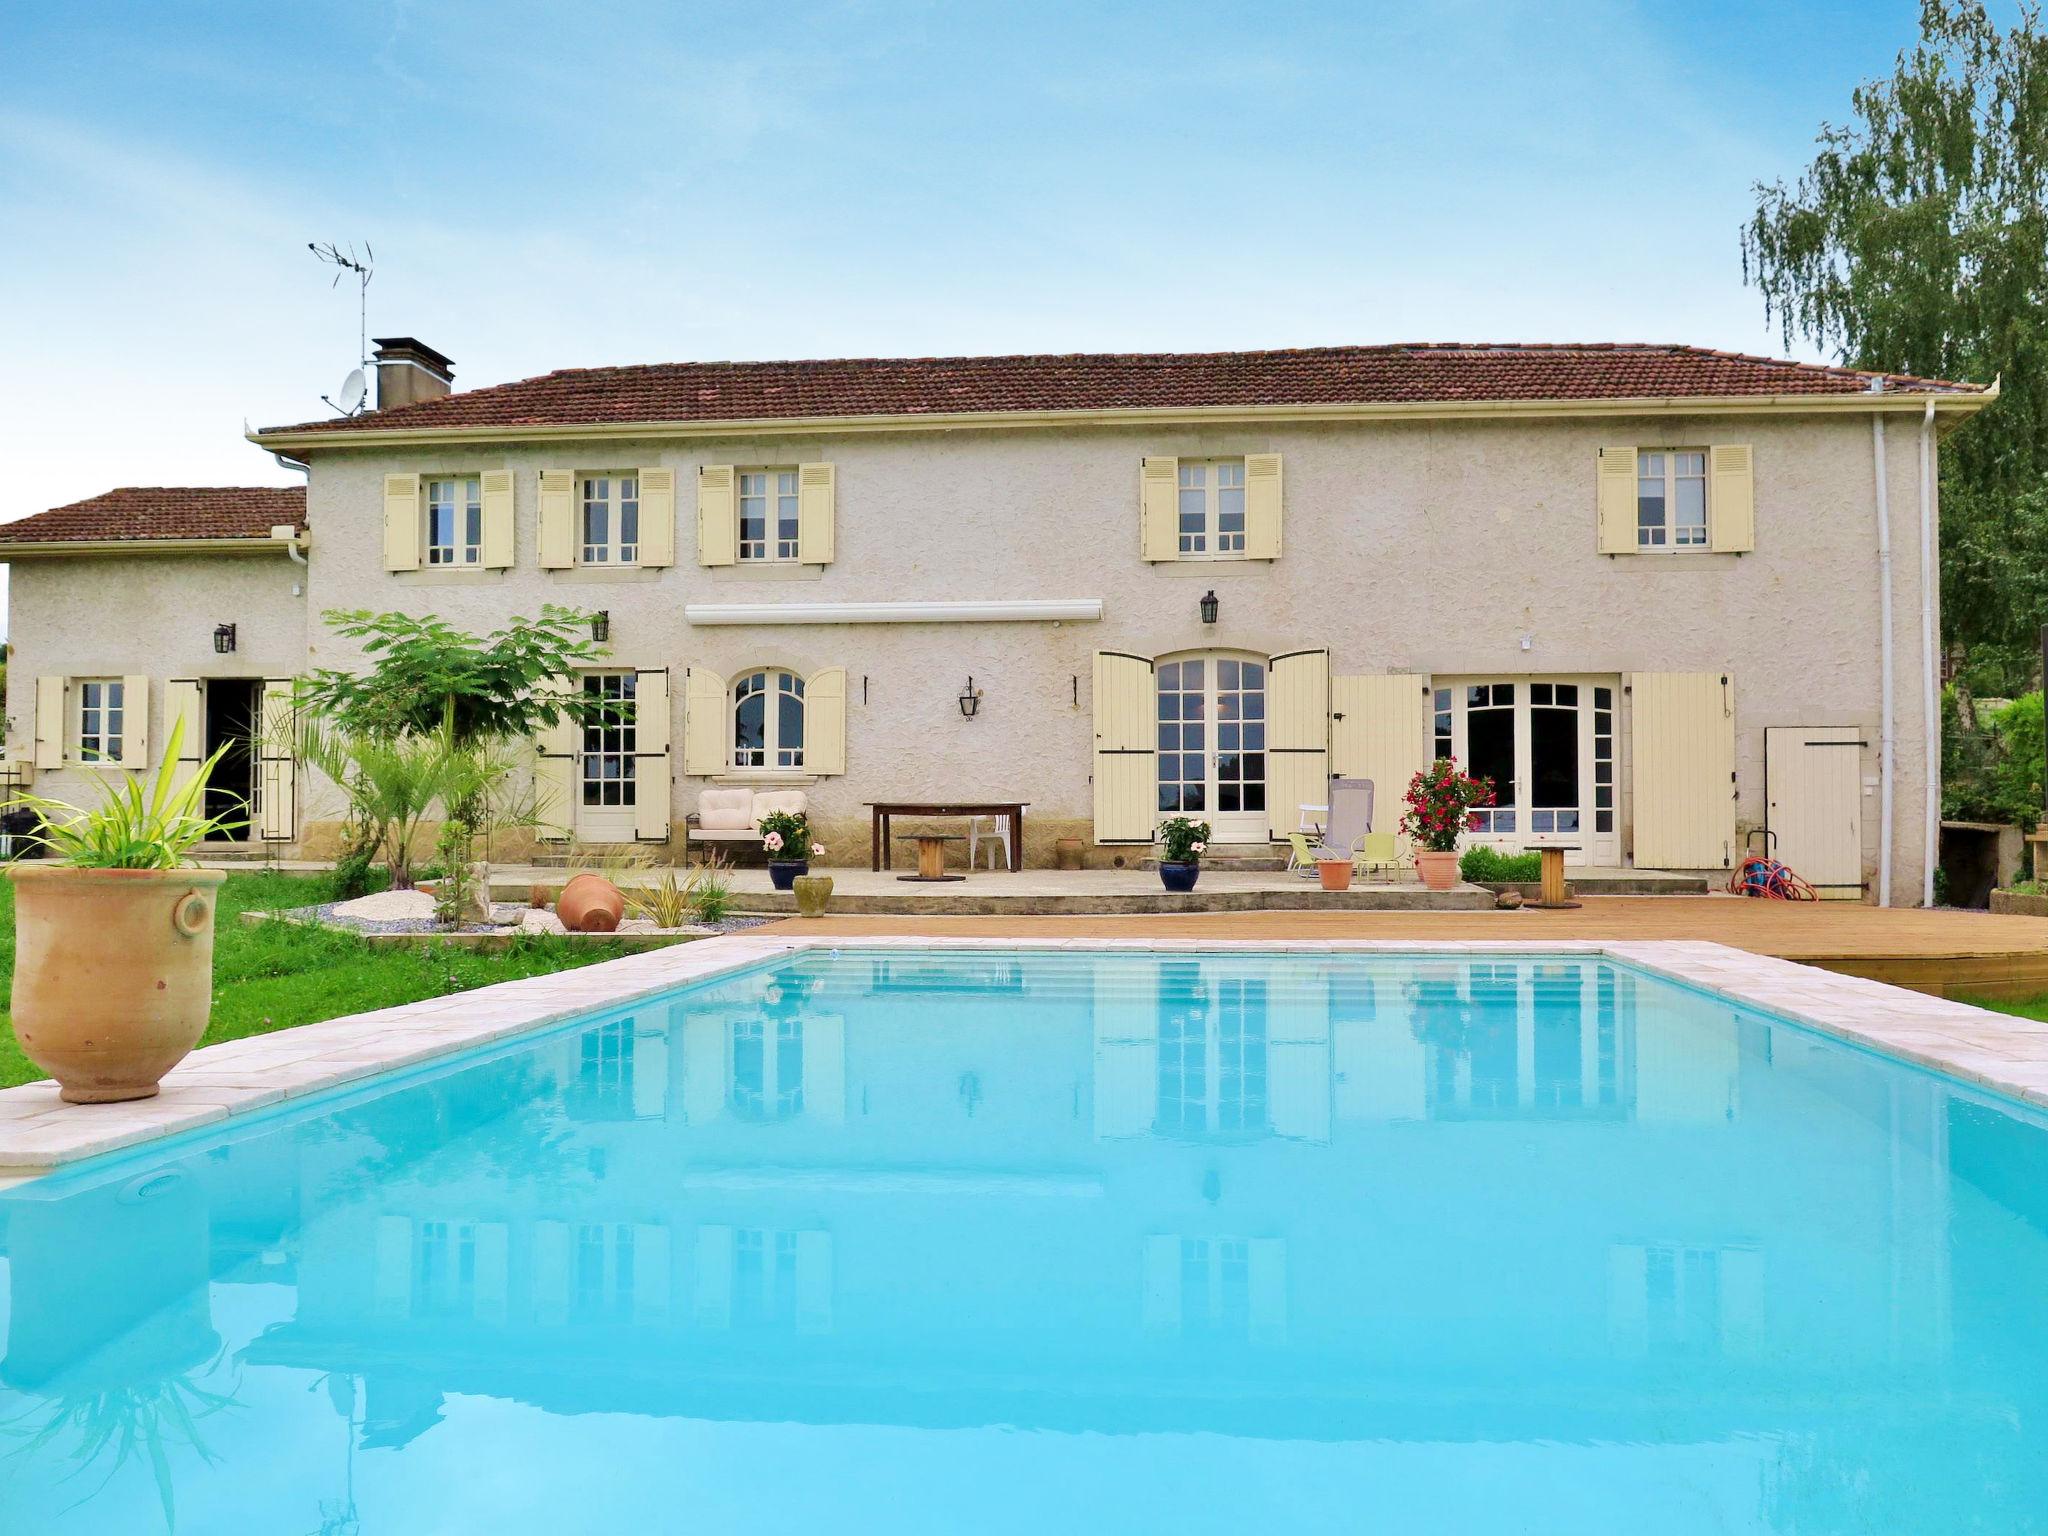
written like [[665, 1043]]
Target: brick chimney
[[409, 370]]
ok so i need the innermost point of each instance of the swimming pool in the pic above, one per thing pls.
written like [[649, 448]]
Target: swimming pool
[[922, 1241]]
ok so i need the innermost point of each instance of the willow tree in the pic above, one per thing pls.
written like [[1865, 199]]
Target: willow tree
[[1917, 242]]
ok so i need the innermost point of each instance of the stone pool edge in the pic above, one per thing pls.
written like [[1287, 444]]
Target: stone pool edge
[[39, 1133]]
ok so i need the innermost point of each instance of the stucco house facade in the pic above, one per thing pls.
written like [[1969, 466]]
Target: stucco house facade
[[1665, 597]]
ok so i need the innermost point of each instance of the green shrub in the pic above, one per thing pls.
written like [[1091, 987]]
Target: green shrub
[[1482, 865]]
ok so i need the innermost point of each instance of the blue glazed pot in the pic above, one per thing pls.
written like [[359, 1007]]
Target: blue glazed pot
[[782, 873], [1179, 877]]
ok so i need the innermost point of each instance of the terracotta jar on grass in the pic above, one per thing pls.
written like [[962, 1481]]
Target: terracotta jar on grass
[[113, 968]]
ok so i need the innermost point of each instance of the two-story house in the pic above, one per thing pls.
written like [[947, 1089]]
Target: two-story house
[[1665, 598]]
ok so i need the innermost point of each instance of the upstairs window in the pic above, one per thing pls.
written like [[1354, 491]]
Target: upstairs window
[[1211, 507], [1671, 498], [102, 719], [610, 508], [768, 514], [768, 720], [455, 521]]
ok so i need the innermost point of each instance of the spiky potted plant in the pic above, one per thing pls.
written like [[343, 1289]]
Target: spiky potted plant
[[1440, 800], [1182, 844], [113, 968], [786, 837]]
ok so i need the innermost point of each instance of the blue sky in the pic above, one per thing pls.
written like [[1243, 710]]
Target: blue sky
[[547, 187]]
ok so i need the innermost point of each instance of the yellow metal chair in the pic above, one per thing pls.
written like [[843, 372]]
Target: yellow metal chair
[[1301, 858], [1378, 852]]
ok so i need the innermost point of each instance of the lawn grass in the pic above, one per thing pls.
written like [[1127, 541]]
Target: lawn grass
[[2035, 1007], [275, 975]]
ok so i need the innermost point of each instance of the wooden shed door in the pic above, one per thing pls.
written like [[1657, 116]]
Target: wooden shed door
[[1814, 804]]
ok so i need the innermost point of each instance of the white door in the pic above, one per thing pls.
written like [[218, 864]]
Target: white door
[[1547, 743], [1212, 744], [1813, 797], [606, 782]]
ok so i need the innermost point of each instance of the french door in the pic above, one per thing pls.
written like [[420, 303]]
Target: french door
[[1547, 743], [1212, 744], [606, 786]]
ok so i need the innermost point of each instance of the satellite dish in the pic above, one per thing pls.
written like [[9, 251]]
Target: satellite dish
[[353, 389]]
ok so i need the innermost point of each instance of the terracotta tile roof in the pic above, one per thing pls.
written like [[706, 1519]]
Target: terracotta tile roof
[[165, 512], [1409, 372]]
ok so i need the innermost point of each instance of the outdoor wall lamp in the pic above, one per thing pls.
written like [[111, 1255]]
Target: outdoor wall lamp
[[970, 700], [1209, 606], [601, 625], [224, 639]]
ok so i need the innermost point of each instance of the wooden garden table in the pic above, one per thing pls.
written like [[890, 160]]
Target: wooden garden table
[[882, 811], [1552, 893]]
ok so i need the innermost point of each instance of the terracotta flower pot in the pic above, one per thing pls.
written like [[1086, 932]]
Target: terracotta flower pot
[[590, 904], [1334, 873], [1070, 853], [113, 974], [1439, 871], [813, 895]]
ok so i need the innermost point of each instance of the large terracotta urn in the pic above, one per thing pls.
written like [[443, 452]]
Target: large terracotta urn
[[590, 904], [1439, 871], [113, 973]]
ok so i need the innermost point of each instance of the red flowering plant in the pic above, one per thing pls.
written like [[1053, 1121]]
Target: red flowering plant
[[1440, 801]]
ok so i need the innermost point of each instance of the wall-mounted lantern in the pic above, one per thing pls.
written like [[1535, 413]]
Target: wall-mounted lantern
[[970, 700], [224, 639], [1209, 606], [601, 625]]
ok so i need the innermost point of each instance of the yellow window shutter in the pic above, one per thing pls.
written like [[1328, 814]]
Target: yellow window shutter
[[718, 518], [816, 492], [1380, 730], [704, 724], [653, 783], [402, 522], [825, 721], [1159, 509], [52, 728], [183, 716], [1731, 498], [135, 722], [1297, 737], [1126, 748], [1682, 746], [1616, 479], [497, 499], [557, 519], [554, 770], [277, 762], [657, 517], [1262, 508]]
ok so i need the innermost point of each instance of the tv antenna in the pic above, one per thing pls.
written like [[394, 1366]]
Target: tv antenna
[[345, 261]]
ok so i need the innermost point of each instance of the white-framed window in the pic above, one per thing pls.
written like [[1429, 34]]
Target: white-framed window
[[610, 518], [611, 738], [768, 514], [1671, 498], [102, 719], [455, 521], [1211, 507], [768, 719]]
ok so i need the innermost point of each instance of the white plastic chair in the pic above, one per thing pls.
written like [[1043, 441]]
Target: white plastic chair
[[989, 829]]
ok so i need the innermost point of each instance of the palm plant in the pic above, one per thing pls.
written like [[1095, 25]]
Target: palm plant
[[151, 823], [392, 783]]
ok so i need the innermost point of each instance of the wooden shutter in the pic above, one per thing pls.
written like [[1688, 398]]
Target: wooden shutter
[[657, 517], [702, 1032], [1682, 778], [816, 497], [1297, 737], [557, 519], [554, 770], [51, 726], [1616, 494], [1126, 748], [650, 1070], [824, 1067], [277, 762], [1731, 498], [1262, 507], [498, 524], [825, 721], [718, 518], [135, 721], [1125, 1080], [402, 523], [704, 723], [1298, 1068], [1813, 804], [1380, 730], [184, 716], [653, 783], [1159, 508]]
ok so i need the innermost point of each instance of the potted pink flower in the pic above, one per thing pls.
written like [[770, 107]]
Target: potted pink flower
[[786, 838], [1183, 844], [1440, 801]]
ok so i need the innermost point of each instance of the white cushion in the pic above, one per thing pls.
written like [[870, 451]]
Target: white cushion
[[727, 810], [794, 801]]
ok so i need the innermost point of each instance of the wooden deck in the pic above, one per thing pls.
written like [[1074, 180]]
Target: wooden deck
[[1949, 954]]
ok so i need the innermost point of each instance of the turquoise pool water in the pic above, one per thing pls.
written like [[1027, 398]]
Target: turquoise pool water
[[1059, 1242]]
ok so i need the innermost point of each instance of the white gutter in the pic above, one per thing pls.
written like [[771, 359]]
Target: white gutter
[[1930, 691], [1022, 611], [1886, 748]]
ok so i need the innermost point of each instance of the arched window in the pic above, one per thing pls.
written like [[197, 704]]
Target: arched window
[[768, 719]]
